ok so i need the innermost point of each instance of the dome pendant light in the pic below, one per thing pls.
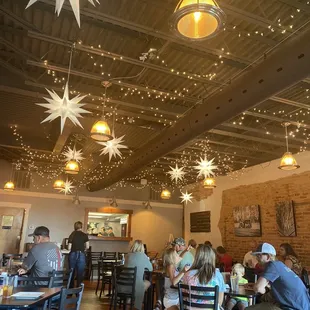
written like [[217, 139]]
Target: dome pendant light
[[165, 194], [72, 167], [197, 19], [209, 183], [9, 186], [288, 161], [59, 184], [101, 131]]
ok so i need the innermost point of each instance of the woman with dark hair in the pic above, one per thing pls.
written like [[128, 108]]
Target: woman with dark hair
[[204, 273], [224, 259], [290, 258], [77, 244]]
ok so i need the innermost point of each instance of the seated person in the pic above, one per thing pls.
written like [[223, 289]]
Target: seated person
[[249, 259], [187, 257], [44, 257], [290, 258], [224, 259], [239, 302], [102, 232], [193, 244], [287, 289], [204, 273]]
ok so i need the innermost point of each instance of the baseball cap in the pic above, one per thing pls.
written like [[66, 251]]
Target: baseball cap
[[178, 241], [41, 231], [265, 248]]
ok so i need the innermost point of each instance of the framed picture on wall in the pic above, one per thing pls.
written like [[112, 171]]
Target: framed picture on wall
[[285, 217], [247, 221]]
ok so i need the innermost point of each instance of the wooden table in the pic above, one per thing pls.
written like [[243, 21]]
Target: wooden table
[[12, 303], [243, 292]]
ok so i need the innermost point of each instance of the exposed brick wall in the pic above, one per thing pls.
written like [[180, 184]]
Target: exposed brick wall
[[296, 188]]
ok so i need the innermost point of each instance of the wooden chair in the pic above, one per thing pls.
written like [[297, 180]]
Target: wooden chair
[[109, 255], [188, 296], [71, 298], [105, 273], [124, 282], [33, 282], [61, 278], [93, 261]]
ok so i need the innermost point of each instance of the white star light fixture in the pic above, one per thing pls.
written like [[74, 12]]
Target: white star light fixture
[[206, 167], [75, 4], [113, 147], [176, 173], [67, 189], [73, 154], [186, 197], [63, 108]]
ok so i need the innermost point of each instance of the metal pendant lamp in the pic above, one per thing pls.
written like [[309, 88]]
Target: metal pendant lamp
[[288, 161], [197, 20]]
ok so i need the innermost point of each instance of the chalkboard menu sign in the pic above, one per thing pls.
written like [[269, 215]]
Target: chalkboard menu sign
[[200, 221]]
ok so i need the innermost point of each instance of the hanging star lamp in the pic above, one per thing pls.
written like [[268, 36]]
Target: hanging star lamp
[[197, 19], [101, 131], [165, 194], [9, 186], [72, 167], [59, 184], [288, 161], [209, 183]]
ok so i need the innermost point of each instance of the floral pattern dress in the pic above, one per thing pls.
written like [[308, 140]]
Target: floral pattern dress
[[191, 278]]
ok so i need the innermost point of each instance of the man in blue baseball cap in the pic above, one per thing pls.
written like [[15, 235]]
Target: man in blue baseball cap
[[287, 290]]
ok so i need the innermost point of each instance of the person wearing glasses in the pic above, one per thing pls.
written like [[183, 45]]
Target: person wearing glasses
[[287, 291]]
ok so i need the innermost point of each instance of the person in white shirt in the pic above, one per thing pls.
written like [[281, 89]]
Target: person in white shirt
[[249, 260]]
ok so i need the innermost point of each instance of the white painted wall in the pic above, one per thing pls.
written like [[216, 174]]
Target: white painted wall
[[256, 174]]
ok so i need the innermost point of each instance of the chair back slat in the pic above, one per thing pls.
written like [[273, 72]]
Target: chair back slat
[[61, 278], [71, 298], [95, 256], [198, 297], [124, 276], [109, 255], [32, 282]]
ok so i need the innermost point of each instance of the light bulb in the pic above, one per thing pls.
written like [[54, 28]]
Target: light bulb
[[197, 16]]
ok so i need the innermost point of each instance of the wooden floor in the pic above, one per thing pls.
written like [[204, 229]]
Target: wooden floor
[[91, 301]]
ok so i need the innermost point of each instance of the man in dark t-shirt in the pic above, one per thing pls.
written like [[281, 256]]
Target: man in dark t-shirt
[[44, 257], [77, 244], [287, 289]]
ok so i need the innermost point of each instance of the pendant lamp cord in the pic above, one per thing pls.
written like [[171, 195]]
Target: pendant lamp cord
[[286, 137], [70, 62], [104, 101]]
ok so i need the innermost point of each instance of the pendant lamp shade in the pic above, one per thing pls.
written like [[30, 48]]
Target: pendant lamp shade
[[165, 194], [59, 184], [72, 167], [9, 186], [197, 19], [209, 183], [288, 162], [101, 131]]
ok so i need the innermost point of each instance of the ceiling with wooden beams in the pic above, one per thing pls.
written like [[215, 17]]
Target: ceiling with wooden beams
[[147, 95]]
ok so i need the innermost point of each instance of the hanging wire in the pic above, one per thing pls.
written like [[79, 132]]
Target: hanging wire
[[286, 136], [70, 62]]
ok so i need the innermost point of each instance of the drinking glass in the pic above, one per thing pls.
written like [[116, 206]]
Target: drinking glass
[[234, 282], [8, 285]]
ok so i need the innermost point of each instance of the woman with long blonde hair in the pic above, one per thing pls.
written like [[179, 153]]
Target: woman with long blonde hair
[[137, 258], [204, 273], [172, 277]]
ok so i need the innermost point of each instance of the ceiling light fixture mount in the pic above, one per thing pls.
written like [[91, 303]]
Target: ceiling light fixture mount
[[197, 20]]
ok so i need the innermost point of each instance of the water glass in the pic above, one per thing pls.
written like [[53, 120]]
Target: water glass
[[8, 286], [234, 283]]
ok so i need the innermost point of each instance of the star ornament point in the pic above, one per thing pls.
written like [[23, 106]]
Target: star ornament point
[[68, 187], [176, 173], [113, 147], [206, 167], [75, 4], [73, 154], [186, 197], [63, 108]]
